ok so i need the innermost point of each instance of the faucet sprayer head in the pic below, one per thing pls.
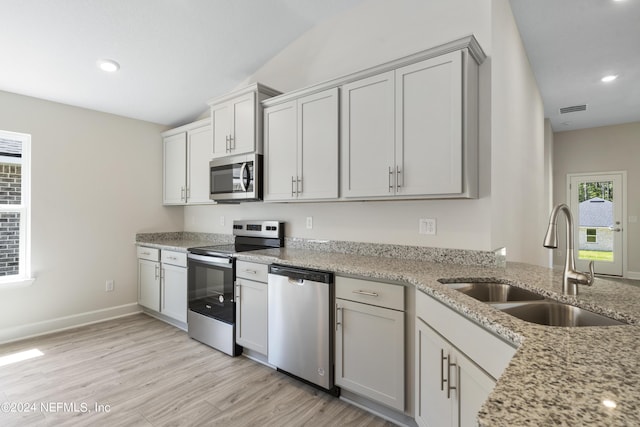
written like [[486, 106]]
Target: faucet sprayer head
[[551, 238]]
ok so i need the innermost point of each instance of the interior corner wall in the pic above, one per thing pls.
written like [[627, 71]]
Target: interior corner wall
[[371, 33], [518, 194], [548, 175], [96, 180], [603, 149]]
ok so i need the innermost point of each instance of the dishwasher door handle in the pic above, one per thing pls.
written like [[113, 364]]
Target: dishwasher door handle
[[292, 281]]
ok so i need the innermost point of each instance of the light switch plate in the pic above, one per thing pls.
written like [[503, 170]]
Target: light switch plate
[[309, 222]]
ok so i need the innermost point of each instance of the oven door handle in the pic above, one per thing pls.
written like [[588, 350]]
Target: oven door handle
[[243, 168], [211, 259]]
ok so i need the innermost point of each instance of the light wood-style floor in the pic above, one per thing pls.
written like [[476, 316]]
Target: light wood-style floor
[[143, 372]]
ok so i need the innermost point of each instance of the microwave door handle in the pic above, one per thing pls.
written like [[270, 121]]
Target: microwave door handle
[[243, 169]]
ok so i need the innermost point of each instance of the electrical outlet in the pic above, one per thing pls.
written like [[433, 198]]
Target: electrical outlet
[[309, 222], [222, 220], [109, 286], [427, 226]]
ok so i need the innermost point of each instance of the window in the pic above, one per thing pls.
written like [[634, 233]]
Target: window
[[14, 207], [592, 235]]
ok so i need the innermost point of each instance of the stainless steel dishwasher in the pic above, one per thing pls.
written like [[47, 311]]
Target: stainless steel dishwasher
[[300, 324]]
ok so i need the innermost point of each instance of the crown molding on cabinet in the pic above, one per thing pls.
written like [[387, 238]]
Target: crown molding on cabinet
[[256, 87], [469, 42]]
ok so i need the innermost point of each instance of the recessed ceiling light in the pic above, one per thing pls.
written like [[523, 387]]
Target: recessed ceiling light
[[609, 78], [108, 65], [609, 403]]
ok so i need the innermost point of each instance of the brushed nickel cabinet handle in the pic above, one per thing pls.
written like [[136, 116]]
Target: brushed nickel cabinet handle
[[338, 316], [390, 175], [367, 293], [442, 378], [449, 386], [398, 172]]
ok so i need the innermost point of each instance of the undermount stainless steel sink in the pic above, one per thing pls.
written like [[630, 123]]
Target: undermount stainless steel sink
[[494, 292], [552, 313], [530, 306]]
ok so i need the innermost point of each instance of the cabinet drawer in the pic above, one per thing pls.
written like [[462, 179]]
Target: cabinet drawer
[[368, 292], [151, 254], [174, 258], [252, 271]]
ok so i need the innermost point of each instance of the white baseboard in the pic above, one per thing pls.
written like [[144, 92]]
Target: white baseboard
[[634, 275], [30, 330]]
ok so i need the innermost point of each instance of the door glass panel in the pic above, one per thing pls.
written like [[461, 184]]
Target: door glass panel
[[596, 221]]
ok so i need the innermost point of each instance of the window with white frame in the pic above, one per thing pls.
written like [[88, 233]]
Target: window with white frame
[[14, 206]]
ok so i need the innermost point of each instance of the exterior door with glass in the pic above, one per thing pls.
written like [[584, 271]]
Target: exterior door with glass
[[597, 202]]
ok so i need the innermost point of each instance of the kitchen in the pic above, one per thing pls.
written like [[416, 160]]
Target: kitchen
[[102, 211]]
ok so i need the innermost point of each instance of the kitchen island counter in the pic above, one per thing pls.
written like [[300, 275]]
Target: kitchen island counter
[[558, 376]]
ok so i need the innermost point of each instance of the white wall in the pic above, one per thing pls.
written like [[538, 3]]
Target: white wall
[[512, 150], [371, 33], [519, 196], [96, 181], [603, 149]]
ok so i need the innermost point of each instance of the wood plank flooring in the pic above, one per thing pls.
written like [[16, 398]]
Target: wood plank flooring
[[139, 371]]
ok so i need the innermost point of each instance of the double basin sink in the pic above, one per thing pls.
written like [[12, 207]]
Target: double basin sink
[[530, 306]]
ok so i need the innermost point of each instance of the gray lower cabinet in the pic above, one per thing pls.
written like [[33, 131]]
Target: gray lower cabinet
[[456, 365], [252, 306], [149, 278], [162, 282], [452, 388], [369, 340]]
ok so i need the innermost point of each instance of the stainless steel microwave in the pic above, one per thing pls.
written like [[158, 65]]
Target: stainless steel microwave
[[235, 179]]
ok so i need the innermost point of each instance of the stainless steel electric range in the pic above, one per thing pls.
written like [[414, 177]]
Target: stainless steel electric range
[[211, 276]]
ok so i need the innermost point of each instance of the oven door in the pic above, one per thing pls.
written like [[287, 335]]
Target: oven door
[[210, 286], [235, 178]]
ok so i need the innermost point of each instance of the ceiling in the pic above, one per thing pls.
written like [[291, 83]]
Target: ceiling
[[177, 54], [174, 54], [571, 45]]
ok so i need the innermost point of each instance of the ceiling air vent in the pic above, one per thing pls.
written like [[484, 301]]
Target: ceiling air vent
[[573, 109]]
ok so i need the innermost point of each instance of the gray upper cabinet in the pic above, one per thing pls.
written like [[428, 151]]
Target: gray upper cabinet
[[236, 119], [367, 126], [187, 151], [301, 148], [407, 129], [412, 132]]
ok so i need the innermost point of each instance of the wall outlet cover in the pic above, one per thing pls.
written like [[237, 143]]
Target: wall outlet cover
[[427, 226]]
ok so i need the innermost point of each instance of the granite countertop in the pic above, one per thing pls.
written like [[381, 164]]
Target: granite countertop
[[558, 376]]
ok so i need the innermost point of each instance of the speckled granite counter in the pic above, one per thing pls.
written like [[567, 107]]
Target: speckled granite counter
[[559, 376], [181, 241]]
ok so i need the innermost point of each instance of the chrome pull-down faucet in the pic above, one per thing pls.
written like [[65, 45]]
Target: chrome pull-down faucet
[[570, 277]]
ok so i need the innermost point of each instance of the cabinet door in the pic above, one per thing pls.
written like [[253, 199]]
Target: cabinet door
[[280, 148], [252, 315], [174, 169], [174, 292], [370, 352], [429, 126], [200, 152], [439, 365], [474, 386], [243, 123], [368, 121], [433, 408], [149, 284], [221, 124], [318, 145]]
